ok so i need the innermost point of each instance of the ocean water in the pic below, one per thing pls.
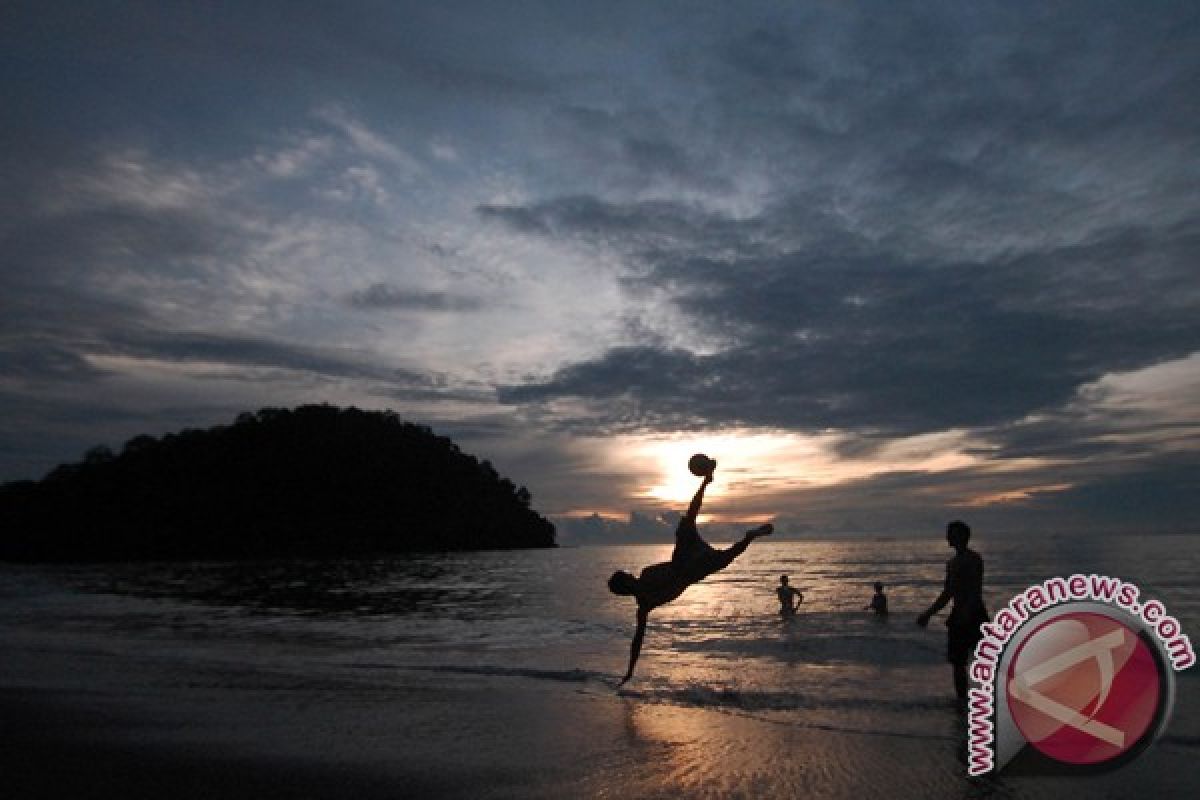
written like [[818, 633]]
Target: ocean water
[[544, 619]]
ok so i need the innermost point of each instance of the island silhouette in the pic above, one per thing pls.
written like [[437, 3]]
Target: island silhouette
[[314, 481]]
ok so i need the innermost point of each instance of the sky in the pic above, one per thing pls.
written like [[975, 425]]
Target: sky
[[890, 263]]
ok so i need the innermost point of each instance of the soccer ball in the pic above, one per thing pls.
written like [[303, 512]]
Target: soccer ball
[[701, 465]]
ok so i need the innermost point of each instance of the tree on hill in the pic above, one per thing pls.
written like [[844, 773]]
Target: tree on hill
[[317, 480]]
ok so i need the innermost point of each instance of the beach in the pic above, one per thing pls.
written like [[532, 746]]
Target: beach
[[432, 678]]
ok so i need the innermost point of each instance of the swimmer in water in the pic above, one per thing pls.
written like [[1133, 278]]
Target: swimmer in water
[[789, 598], [878, 601]]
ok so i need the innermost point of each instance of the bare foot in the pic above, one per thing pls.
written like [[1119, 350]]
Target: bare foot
[[761, 530]]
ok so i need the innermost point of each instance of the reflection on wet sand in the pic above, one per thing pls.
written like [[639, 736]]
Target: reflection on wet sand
[[706, 753]]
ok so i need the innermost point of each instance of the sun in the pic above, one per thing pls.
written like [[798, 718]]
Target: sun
[[741, 458], [678, 489]]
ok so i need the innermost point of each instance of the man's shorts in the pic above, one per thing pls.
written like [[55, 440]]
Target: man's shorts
[[961, 637]]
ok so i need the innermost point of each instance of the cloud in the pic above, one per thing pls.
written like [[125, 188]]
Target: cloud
[[593, 218], [1156, 497], [637, 527], [849, 333], [367, 142], [224, 349], [384, 296], [45, 362]]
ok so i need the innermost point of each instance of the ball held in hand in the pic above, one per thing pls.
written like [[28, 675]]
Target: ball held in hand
[[701, 465]]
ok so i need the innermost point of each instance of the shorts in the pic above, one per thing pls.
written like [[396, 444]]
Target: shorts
[[961, 637], [689, 546]]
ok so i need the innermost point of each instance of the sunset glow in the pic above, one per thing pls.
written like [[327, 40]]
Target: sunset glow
[[742, 459], [757, 468]]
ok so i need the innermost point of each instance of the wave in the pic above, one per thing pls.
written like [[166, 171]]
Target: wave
[[870, 643], [558, 675], [778, 700]]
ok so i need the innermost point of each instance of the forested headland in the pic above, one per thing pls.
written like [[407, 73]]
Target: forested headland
[[313, 481]]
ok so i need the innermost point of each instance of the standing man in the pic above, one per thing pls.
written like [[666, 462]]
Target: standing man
[[964, 585]]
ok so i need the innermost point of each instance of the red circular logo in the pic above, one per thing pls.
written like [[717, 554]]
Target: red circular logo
[[1084, 688]]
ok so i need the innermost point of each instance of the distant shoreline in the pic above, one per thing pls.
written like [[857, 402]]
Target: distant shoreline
[[983, 535]]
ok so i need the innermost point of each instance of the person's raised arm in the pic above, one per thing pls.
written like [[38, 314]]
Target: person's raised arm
[[698, 500], [636, 647]]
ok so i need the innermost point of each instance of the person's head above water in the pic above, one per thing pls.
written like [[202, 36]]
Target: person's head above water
[[958, 533], [622, 582]]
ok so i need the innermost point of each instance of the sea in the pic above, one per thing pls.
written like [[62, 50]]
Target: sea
[[542, 622]]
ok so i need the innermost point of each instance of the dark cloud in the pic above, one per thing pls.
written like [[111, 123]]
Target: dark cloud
[[635, 149], [47, 334], [639, 528], [590, 217], [1155, 497], [224, 349], [271, 54], [384, 296], [82, 249], [39, 362], [850, 335], [860, 297]]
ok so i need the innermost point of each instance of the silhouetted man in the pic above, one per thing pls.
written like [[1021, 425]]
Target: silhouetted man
[[692, 560], [878, 601], [789, 598], [964, 585]]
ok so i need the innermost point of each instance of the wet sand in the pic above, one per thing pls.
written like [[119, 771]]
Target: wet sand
[[86, 722], [266, 738], [521, 744]]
